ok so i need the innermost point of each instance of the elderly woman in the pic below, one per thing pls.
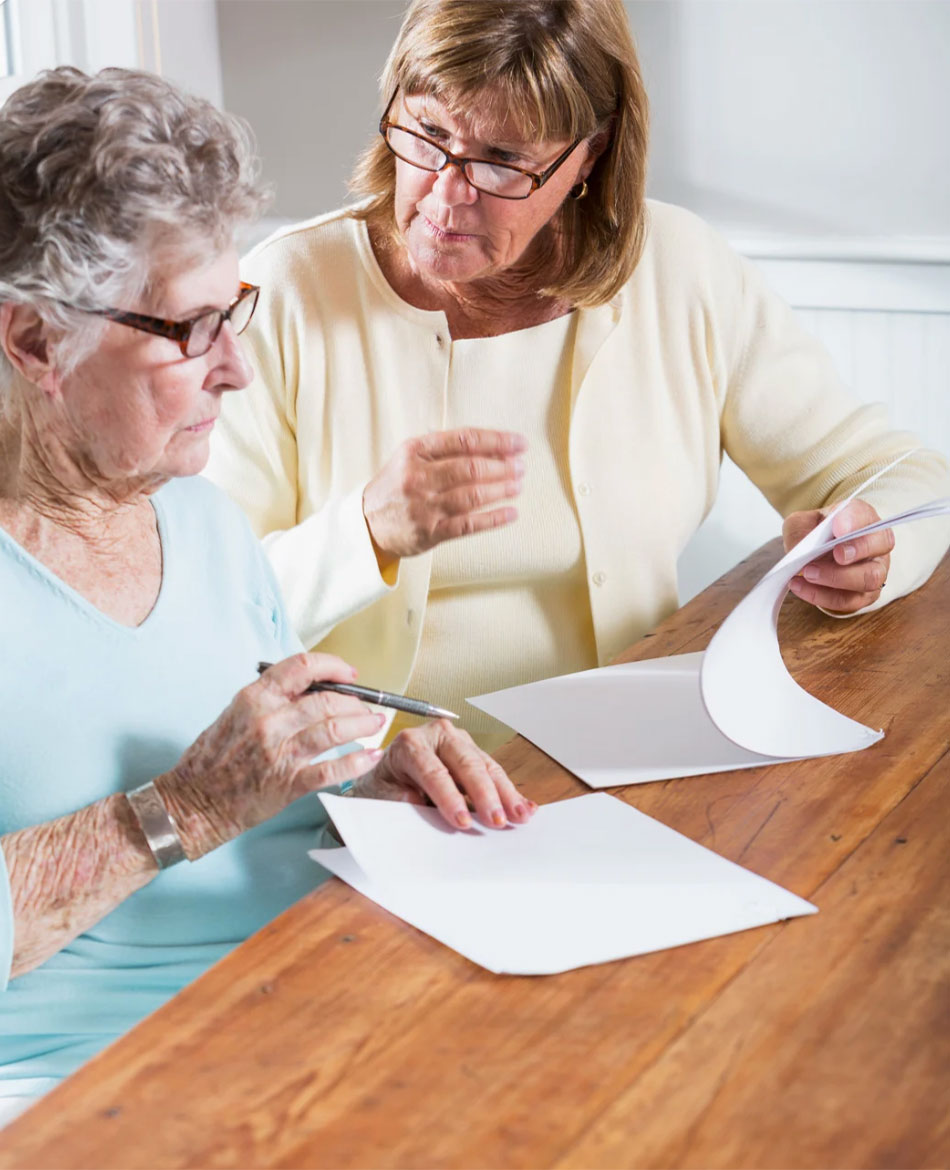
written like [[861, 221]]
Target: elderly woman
[[136, 601], [504, 317]]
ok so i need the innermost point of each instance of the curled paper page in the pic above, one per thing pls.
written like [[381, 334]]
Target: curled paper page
[[733, 706], [624, 724], [746, 688]]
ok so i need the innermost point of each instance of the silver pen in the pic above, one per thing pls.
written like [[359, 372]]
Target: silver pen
[[378, 698]]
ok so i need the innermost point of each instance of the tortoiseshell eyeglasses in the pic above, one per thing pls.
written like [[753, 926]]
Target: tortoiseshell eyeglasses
[[502, 180], [196, 335]]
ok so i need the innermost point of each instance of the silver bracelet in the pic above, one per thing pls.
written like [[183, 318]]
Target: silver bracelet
[[158, 828]]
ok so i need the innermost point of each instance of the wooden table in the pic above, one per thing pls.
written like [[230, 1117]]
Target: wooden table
[[338, 1036]]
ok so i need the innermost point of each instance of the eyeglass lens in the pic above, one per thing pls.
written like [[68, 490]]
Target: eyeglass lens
[[205, 329], [492, 178]]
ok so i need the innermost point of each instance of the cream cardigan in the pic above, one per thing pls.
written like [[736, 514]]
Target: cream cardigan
[[521, 590], [693, 357]]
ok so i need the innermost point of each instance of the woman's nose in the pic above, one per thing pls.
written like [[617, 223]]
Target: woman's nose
[[231, 367], [452, 187]]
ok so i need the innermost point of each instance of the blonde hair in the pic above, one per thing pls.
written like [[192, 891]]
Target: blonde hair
[[568, 69]]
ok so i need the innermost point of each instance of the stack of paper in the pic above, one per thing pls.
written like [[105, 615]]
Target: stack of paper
[[733, 706], [592, 879], [586, 881]]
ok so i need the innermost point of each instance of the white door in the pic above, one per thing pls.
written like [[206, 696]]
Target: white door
[[40, 34]]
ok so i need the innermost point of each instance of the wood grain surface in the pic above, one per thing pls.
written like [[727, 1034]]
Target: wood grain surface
[[338, 1036]]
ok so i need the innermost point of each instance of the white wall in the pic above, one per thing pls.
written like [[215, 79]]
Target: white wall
[[182, 38], [305, 73], [810, 117], [772, 118], [816, 117]]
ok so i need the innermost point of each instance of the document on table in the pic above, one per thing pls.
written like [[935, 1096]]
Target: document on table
[[732, 706], [587, 880]]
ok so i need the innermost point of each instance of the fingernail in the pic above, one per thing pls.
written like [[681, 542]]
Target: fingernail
[[380, 719], [795, 585], [810, 573], [533, 805], [518, 466], [520, 811], [498, 818], [848, 553], [463, 820], [375, 754]]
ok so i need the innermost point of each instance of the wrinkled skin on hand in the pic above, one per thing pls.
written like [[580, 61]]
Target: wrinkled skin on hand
[[256, 758], [441, 763], [436, 486], [852, 575]]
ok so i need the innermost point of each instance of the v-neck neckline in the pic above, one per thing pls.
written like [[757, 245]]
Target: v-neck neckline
[[78, 601]]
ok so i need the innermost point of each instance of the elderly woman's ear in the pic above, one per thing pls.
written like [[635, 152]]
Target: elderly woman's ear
[[28, 344]]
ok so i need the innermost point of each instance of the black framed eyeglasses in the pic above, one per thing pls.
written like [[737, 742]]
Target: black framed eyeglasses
[[499, 179], [196, 335]]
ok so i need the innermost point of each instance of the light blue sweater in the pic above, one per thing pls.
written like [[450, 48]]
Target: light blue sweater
[[89, 707]]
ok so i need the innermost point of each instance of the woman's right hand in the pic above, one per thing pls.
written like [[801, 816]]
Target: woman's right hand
[[255, 759], [435, 487]]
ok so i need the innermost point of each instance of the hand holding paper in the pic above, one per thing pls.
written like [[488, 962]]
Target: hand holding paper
[[851, 576], [733, 706]]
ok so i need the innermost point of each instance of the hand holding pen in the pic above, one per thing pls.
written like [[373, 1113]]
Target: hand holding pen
[[379, 698], [433, 762]]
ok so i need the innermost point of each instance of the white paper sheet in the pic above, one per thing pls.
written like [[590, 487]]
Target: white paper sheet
[[625, 724], [588, 880], [733, 706], [746, 687]]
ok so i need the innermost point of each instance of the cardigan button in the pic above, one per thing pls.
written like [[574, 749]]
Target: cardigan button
[[599, 578], [583, 488]]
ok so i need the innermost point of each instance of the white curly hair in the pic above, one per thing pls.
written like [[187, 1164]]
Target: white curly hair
[[98, 176]]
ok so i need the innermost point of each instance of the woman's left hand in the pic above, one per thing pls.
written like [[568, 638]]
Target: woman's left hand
[[439, 762], [852, 575]]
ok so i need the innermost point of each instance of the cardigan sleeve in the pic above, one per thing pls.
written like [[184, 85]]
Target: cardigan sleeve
[[790, 424], [325, 565]]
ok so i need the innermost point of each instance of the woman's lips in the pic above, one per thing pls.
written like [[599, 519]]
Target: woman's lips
[[444, 233], [197, 428]]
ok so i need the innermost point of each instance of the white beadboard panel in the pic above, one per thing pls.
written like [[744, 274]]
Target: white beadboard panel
[[871, 285], [861, 250], [899, 358]]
